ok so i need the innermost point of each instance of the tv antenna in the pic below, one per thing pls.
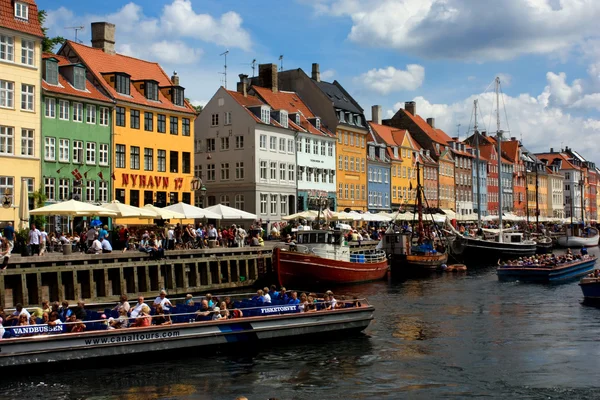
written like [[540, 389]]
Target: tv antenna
[[281, 62], [77, 29], [224, 54], [458, 131], [253, 64]]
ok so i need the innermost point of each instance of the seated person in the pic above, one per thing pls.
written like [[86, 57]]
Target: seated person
[[143, 319], [283, 296], [216, 314], [204, 313], [160, 317], [224, 311], [163, 301], [54, 320], [189, 300], [96, 247], [137, 309], [259, 298], [79, 310], [14, 318], [106, 247], [266, 295], [294, 299], [78, 327]]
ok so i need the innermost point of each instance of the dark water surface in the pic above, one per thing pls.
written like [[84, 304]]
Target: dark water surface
[[443, 336]]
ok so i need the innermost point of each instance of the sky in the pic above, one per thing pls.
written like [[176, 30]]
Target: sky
[[442, 54]]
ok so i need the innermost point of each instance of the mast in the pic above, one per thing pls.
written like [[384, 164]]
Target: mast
[[537, 204], [419, 199], [499, 140], [477, 166], [582, 181]]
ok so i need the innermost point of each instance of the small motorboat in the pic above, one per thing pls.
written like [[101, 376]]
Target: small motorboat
[[543, 244], [453, 268], [515, 271]]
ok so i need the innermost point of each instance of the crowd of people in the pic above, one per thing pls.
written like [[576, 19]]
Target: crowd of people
[[547, 260]]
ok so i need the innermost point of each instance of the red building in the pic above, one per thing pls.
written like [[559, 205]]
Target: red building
[[488, 151], [511, 150]]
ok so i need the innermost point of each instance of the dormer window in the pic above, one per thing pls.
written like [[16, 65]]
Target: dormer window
[[357, 120], [151, 90], [371, 151], [21, 10], [341, 116], [349, 118], [79, 78], [177, 96], [318, 123], [122, 84], [283, 118], [51, 72], [395, 152], [265, 115]]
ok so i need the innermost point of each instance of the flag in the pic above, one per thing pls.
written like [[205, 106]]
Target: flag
[[85, 174], [410, 186], [113, 176], [100, 175], [76, 174]]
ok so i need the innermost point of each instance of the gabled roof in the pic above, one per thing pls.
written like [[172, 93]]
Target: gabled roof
[[340, 98], [247, 101], [460, 152], [292, 103], [486, 151], [98, 62], [9, 21], [566, 164], [65, 88], [436, 135], [511, 149]]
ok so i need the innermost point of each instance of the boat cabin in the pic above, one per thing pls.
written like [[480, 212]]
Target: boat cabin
[[512, 237]]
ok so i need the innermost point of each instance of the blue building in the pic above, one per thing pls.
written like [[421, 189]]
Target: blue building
[[378, 176], [482, 185]]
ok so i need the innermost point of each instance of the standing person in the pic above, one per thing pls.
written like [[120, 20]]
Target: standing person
[[200, 236], [103, 234], [5, 251], [240, 236], [123, 237], [90, 236], [212, 232], [34, 240], [9, 234], [170, 238], [43, 241]]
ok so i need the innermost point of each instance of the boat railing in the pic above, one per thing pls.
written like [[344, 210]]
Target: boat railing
[[103, 324]]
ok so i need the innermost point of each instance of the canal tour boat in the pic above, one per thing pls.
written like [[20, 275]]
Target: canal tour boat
[[321, 257], [575, 236], [42, 344], [590, 286], [547, 274]]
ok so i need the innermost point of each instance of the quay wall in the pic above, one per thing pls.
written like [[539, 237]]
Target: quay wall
[[104, 277]]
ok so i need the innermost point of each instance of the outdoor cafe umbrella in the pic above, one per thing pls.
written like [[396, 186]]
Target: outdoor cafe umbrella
[[24, 205], [73, 208], [191, 212], [163, 213], [226, 212], [309, 215], [127, 211]]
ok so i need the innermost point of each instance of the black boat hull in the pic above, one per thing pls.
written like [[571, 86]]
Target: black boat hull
[[486, 252]]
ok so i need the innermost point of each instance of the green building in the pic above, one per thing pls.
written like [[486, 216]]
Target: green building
[[76, 136]]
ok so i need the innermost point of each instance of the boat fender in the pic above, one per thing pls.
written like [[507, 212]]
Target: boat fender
[[443, 266]]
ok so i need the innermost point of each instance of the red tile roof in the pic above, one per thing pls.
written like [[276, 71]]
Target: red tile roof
[[99, 62], [9, 21], [486, 152], [437, 135], [65, 88], [560, 156], [511, 148], [247, 101]]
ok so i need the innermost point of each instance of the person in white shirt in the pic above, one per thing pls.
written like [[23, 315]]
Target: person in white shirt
[[170, 238], [19, 310], [137, 309], [34, 240], [212, 233], [91, 235], [96, 247], [332, 300], [43, 241], [240, 236], [266, 295], [163, 301]]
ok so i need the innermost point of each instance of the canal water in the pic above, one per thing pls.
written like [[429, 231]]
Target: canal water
[[448, 335]]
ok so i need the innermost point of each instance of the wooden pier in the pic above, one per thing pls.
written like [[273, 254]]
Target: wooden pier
[[104, 277]]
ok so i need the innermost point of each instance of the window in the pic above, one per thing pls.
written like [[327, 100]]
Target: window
[[49, 188], [283, 204], [78, 152], [299, 145], [346, 195], [148, 159], [351, 163], [148, 121], [322, 147], [340, 190], [103, 154], [224, 199], [273, 204], [239, 201], [263, 170], [90, 190], [134, 157], [352, 139], [21, 10], [265, 115], [79, 78], [263, 142], [7, 48], [340, 163], [91, 114], [307, 145], [291, 173], [6, 140], [63, 189], [224, 171], [282, 145], [162, 160], [290, 146], [346, 163], [239, 170], [161, 122], [134, 119], [174, 126], [210, 145], [120, 116], [272, 143], [228, 118], [315, 146], [330, 149], [263, 203], [77, 112], [122, 84], [282, 170], [210, 172], [27, 97], [63, 150], [185, 127], [273, 169], [49, 146], [151, 90], [174, 161], [63, 110], [50, 105], [214, 120], [27, 142], [225, 143], [186, 165], [27, 52], [102, 192], [7, 94], [90, 153], [178, 96], [239, 142]]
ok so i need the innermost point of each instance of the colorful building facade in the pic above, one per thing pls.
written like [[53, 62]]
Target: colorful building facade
[[20, 110]]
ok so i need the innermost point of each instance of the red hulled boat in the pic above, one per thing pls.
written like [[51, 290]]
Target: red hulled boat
[[324, 257]]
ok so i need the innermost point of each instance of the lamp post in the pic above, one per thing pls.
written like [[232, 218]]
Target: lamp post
[[199, 187]]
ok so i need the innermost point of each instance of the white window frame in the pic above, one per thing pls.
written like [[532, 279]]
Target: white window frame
[[50, 189], [7, 94], [290, 146], [263, 203], [28, 52], [214, 119], [102, 192], [224, 171], [50, 104], [239, 142], [283, 204], [228, 118], [27, 142], [21, 10], [239, 170], [239, 201], [273, 143], [90, 153], [27, 97], [104, 113], [265, 115], [273, 170], [77, 152], [64, 150], [77, 112], [63, 189], [7, 47], [90, 190], [103, 154], [263, 173], [63, 110], [90, 111], [291, 173], [263, 142], [282, 145], [274, 199], [50, 149], [7, 140]]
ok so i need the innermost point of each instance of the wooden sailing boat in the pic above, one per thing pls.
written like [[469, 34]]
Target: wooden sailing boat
[[407, 258]]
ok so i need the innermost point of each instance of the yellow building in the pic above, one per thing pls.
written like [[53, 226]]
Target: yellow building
[[351, 177], [20, 78], [153, 138], [447, 199]]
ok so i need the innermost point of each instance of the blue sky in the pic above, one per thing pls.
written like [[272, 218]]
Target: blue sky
[[441, 53]]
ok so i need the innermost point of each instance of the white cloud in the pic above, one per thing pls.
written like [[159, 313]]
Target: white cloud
[[328, 74], [390, 79], [505, 79], [467, 29], [165, 52]]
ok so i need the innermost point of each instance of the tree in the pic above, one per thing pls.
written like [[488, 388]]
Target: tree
[[48, 43], [198, 108]]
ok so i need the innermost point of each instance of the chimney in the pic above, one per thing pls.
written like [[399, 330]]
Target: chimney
[[103, 36], [455, 138], [411, 107], [267, 76], [513, 139], [316, 74], [375, 114], [175, 79], [431, 122], [484, 133], [242, 86], [551, 150]]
